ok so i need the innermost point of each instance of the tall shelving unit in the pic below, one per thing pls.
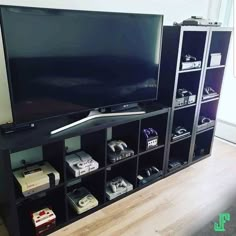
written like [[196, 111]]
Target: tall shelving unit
[[199, 42]]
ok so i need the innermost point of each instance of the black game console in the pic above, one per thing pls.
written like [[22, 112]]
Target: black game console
[[149, 138], [179, 132], [118, 150], [184, 97], [205, 123], [148, 174], [209, 93], [175, 164]]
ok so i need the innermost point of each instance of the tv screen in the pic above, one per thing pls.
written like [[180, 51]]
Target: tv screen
[[66, 61]]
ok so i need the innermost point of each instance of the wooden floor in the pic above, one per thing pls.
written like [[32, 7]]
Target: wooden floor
[[178, 205]]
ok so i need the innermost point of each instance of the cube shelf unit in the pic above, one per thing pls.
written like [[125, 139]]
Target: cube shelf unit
[[199, 42], [91, 137]]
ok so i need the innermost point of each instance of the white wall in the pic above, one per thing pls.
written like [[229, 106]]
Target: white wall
[[174, 10]]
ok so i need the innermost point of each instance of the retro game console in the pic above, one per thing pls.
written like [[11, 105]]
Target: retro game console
[[205, 123], [118, 150], [149, 138], [184, 97], [199, 21], [175, 164], [81, 163], [148, 174], [189, 62], [179, 132], [36, 178], [81, 200], [117, 187], [209, 93], [43, 221]]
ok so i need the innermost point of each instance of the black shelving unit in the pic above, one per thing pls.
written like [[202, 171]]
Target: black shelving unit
[[200, 42], [92, 138]]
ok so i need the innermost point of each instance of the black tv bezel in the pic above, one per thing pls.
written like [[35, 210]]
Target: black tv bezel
[[15, 122]]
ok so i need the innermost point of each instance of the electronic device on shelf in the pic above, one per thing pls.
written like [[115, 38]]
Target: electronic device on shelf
[[184, 97], [179, 132], [117, 187], [36, 178], [81, 200], [209, 93], [175, 164], [43, 221], [81, 163], [205, 123], [199, 21], [190, 62], [149, 138], [118, 150], [215, 59], [80, 74], [148, 174]]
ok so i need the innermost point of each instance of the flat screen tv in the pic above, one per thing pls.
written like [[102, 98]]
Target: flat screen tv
[[61, 62]]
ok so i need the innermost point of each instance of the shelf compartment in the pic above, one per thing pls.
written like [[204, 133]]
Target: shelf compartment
[[209, 109], [126, 170], [54, 200], [129, 133], [155, 158], [194, 44], [184, 118], [179, 152], [220, 44], [203, 144], [158, 123], [95, 185]]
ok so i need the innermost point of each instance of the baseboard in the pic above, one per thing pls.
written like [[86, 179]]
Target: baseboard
[[226, 130]]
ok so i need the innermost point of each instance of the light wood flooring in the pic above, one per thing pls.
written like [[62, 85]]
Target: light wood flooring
[[178, 205]]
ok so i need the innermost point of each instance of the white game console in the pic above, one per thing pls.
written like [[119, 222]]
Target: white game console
[[36, 178], [81, 200], [81, 163], [117, 187]]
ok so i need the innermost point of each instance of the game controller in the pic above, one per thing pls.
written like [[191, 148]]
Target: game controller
[[203, 120], [151, 170], [117, 183], [179, 132], [117, 145], [85, 201], [150, 132]]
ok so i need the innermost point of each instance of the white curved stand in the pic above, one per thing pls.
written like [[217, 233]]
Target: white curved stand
[[93, 115]]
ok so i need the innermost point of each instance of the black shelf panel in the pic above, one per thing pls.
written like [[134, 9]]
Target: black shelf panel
[[205, 130], [121, 161], [71, 178], [20, 199], [211, 100], [184, 107], [181, 139], [151, 150]]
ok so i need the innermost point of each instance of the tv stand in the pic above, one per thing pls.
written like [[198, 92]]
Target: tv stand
[[93, 115]]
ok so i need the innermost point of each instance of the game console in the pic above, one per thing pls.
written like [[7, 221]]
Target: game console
[[205, 123], [179, 132], [118, 150], [148, 174], [184, 97], [43, 221], [149, 138], [81, 163], [200, 21], [117, 187], [175, 164], [36, 178], [209, 93], [81, 200], [189, 62]]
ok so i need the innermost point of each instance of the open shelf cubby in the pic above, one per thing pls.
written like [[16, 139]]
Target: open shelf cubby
[[203, 144], [220, 44], [55, 200]]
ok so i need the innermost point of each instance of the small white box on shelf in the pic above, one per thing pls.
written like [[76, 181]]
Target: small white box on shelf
[[215, 59]]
